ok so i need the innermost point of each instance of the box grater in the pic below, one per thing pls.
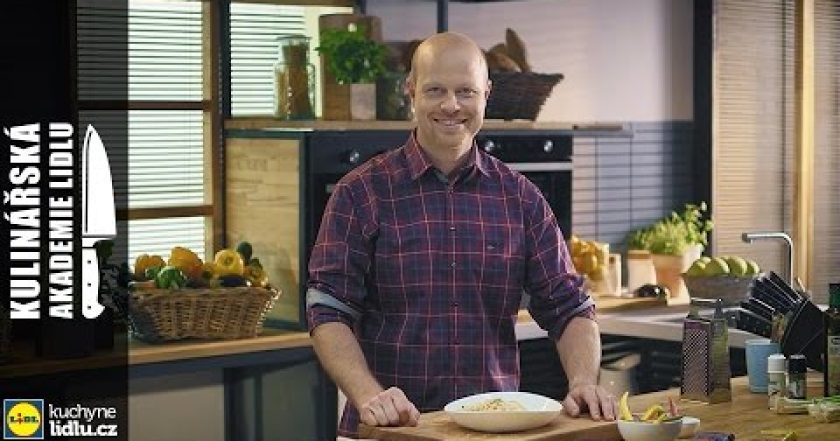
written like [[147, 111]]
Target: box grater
[[705, 354]]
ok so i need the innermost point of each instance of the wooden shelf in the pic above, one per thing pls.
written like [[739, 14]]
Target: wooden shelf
[[267, 123]]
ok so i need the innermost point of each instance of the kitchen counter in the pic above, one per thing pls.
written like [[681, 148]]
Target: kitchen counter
[[745, 416], [657, 322]]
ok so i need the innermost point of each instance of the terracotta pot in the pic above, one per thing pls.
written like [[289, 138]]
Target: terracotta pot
[[669, 269]]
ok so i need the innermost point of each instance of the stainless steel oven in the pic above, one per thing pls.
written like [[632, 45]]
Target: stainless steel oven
[[544, 157]]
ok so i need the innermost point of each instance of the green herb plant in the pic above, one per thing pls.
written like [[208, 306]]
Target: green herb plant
[[351, 56], [674, 234]]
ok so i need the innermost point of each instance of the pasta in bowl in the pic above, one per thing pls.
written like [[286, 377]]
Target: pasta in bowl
[[499, 412]]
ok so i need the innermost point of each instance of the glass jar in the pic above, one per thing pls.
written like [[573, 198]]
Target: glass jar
[[294, 79]]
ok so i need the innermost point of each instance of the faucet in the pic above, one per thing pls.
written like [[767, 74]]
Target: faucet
[[777, 235]]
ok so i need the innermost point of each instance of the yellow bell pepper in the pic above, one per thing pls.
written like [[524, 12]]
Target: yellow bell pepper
[[228, 262], [144, 262], [187, 261]]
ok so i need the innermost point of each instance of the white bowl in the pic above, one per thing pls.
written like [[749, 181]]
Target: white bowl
[[641, 431], [689, 427], [539, 411]]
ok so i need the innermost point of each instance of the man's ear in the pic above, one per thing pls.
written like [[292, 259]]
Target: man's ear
[[409, 87], [487, 91]]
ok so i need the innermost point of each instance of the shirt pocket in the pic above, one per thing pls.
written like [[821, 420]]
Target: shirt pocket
[[403, 266]]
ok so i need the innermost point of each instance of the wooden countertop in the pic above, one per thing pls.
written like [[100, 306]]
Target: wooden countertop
[[270, 340], [263, 123], [25, 363], [745, 416]]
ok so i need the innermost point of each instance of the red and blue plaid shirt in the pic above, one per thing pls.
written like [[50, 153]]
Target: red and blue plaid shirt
[[430, 272]]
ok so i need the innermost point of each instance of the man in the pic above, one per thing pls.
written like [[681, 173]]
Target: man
[[423, 253]]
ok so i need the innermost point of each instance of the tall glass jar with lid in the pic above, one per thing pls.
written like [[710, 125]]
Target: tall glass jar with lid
[[294, 79]]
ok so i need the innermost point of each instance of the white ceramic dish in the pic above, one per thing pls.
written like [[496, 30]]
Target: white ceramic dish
[[641, 431], [689, 427], [539, 411]]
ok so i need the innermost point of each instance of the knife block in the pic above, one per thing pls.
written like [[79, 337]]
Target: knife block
[[801, 336]]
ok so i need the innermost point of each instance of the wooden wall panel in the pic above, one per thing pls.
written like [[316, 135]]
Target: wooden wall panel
[[262, 207]]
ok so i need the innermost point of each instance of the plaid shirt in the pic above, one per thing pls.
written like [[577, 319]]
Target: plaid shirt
[[430, 273]]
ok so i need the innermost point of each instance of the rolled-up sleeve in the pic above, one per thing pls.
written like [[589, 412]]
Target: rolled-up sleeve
[[339, 261], [557, 291]]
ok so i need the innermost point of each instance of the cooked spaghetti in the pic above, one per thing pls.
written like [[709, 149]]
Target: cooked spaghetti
[[497, 405]]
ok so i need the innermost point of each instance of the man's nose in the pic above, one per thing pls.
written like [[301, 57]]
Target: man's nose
[[450, 103]]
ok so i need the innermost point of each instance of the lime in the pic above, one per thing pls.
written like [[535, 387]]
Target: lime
[[716, 267], [698, 268], [752, 268], [737, 266]]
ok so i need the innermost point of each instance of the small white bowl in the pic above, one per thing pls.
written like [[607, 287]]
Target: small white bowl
[[689, 427], [641, 431]]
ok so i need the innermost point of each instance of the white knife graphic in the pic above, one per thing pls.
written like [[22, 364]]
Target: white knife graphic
[[98, 218]]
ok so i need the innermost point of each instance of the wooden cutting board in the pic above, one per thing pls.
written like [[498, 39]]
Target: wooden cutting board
[[745, 417], [436, 426]]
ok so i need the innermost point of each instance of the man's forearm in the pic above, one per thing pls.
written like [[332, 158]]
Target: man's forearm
[[342, 358], [579, 349]]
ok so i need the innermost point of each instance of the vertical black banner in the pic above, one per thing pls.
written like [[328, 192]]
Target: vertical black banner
[[63, 360]]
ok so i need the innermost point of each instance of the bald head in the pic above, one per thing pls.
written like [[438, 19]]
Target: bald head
[[446, 45]]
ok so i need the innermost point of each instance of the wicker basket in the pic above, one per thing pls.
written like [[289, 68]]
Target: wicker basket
[[519, 95], [221, 313], [731, 289]]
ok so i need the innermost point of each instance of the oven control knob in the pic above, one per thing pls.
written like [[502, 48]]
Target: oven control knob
[[490, 146], [352, 157], [548, 146]]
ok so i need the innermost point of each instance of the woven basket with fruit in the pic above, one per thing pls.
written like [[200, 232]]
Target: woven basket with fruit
[[591, 259], [184, 297], [726, 277]]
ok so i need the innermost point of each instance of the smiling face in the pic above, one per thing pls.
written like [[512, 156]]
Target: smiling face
[[449, 89]]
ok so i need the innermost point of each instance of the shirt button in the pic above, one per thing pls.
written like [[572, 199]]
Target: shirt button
[[453, 264], [452, 228], [455, 304]]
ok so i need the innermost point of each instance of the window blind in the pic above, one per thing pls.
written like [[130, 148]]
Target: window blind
[[827, 147], [254, 29], [753, 120], [164, 159]]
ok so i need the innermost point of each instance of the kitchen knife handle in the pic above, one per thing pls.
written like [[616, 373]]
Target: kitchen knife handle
[[90, 284]]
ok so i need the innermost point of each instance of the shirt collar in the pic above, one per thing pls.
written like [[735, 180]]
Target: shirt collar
[[419, 163]]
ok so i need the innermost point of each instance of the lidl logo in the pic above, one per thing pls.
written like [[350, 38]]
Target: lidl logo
[[23, 419]]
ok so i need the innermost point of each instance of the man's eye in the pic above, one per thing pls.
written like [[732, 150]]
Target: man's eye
[[434, 90], [467, 93]]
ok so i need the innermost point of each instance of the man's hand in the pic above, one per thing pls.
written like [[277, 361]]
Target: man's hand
[[389, 408], [599, 403]]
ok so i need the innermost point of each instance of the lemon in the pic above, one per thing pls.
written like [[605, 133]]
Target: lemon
[[752, 268]]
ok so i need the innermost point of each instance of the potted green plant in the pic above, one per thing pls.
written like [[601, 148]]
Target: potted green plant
[[674, 242], [353, 61]]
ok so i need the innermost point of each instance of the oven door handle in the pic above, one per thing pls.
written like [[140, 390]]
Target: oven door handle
[[540, 166]]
